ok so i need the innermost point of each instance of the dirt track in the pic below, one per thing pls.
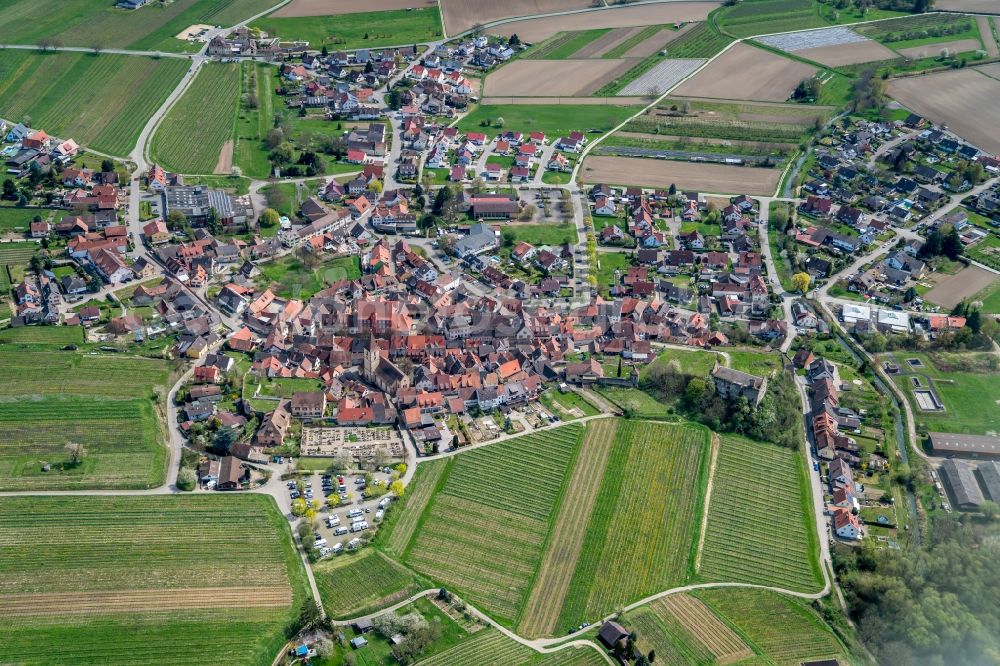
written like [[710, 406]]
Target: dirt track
[[527, 78], [692, 175], [964, 99], [590, 101], [460, 15], [847, 54], [985, 30], [535, 30], [745, 72], [225, 163], [334, 7]]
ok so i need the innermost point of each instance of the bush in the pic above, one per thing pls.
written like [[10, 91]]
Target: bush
[[186, 479]]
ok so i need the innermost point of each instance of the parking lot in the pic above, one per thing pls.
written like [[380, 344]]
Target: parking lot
[[345, 514]]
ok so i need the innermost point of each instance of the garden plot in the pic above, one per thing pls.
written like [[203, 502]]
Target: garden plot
[[934, 50], [661, 78], [528, 78], [608, 41], [963, 99], [830, 46], [952, 289], [747, 73]]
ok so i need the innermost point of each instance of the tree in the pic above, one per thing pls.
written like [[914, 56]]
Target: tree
[[282, 154], [186, 479], [76, 453], [974, 321], [651, 657], [910, 295], [991, 510], [9, 190], [508, 237], [397, 488], [499, 122], [800, 282], [176, 220], [107, 165], [269, 218]]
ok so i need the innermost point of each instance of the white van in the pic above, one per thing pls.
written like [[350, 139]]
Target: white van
[[337, 548], [384, 502], [353, 544], [320, 541], [379, 514], [340, 530], [332, 521], [359, 526], [355, 513]]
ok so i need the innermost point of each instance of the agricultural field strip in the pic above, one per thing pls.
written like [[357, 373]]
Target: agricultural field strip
[[417, 498], [653, 635], [349, 585], [483, 647], [494, 540], [34, 426], [809, 39], [569, 530], [745, 542], [137, 601], [782, 629], [43, 372], [690, 615], [664, 76]]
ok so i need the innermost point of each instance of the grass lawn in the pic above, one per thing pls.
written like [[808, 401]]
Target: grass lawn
[[567, 406], [19, 219], [966, 385], [355, 583], [638, 403], [554, 120], [565, 44], [43, 335], [139, 576], [107, 403], [556, 178], [494, 538], [88, 24], [195, 129], [754, 362], [294, 280], [991, 299], [284, 387], [697, 363], [102, 101], [357, 31], [544, 234], [752, 537], [610, 262]]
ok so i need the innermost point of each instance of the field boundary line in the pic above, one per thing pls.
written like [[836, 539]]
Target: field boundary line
[[708, 500]]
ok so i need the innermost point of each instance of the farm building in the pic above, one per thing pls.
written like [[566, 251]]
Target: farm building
[[962, 485], [989, 474], [953, 443], [611, 634]]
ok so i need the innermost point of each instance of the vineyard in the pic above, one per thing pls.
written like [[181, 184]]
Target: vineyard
[[351, 585], [491, 647], [780, 629], [690, 620], [755, 17], [700, 41], [565, 44], [491, 518], [195, 129], [568, 531], [51, 398], [102, 101], [16, 254], [759, 527], [124, 580], [399, 527], [43, 335], [645, 520]]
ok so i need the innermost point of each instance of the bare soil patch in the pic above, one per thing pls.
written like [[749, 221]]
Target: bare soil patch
[[985, 31], [992, 70], [848, 54], [545, 602], [537, 29], [136, 601], [606, 42], [545, 101], [931, 50], [334, 7], [745, 72], [968, 282], [649, 46], [693, 175], [192, 31], [966, 100], [525, 78], [225, 163], [460, 15]]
